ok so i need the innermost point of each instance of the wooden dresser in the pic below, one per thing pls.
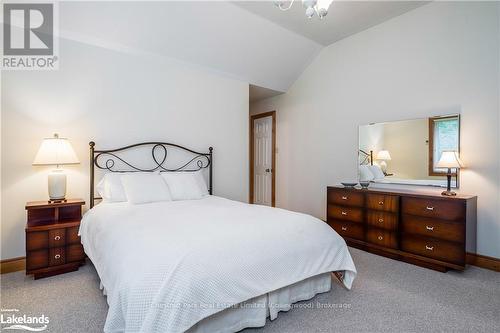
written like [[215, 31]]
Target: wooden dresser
[[52, 242], [428, 230]]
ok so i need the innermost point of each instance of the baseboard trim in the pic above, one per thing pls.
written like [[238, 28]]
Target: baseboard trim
[[12, 265], [483, 261], [491, 263]]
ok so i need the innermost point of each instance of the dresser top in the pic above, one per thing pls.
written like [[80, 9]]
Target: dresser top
[[414, 193]]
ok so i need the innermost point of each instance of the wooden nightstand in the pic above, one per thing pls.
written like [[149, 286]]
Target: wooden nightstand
[[52, 242]]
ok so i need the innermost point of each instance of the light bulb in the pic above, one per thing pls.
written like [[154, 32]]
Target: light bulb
[[322, 12], [278, 3]]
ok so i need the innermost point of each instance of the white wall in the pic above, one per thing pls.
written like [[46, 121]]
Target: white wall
[[114, 99], [437, 59]]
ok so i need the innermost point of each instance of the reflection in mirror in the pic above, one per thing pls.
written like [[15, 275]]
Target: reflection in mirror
[[407, 152]]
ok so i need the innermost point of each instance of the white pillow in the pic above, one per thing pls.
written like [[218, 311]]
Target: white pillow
[[110, 188], [365, 175], [376, 171], [183, 185], [145, 187], [200, 180]]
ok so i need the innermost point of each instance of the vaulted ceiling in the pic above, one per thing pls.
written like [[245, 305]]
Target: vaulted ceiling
[[250, 41]]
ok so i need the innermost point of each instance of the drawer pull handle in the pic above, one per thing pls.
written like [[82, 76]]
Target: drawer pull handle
[[380, 237], [430, 248], [57, 238], [429, 208], [343, 213], [381, 220], [57, 256], [344, 198], [344, 228], [429, 228], [380, 203]]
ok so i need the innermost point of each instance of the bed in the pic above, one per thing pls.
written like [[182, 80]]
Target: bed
[[207, 265]]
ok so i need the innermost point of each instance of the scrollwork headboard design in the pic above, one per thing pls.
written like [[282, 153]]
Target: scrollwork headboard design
[[110, 161]]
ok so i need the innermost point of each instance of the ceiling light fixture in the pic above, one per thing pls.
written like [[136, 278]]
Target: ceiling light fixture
[[313, 7]]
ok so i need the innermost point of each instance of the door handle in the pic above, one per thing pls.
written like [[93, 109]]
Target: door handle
[[268, 170]]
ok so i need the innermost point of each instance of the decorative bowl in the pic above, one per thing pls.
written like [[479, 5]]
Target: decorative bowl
[[364, 185], [349, 184]]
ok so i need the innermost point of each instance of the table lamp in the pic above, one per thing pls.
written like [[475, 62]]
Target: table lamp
[[383, 156], [56, 151], [449, 160]]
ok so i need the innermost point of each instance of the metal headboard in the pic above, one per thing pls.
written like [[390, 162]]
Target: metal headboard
[[365, 158], [109, 159]]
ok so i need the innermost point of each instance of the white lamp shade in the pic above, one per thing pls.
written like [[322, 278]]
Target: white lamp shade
[[384, 155], [449, 159], [55, 151]]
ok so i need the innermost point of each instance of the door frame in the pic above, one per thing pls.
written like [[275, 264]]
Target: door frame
[[273, 152]]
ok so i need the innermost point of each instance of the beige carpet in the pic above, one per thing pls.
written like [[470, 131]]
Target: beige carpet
[[387, 296]]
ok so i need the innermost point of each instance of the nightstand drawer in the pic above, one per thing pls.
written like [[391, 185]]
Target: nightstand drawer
[[57, 237], [382, 237], [382, 220], [346, 198], [36, 240], [57, 256], [74, 253], [385, 202], [345, 213], [37, 259], [442, 209], [72, 235]]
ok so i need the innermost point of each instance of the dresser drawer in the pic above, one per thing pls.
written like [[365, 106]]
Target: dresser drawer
[[74, 253], [434, 248], [442, 209], [57, 237], [57, 256], [72, 235], [345, 213], [37, 259], [36, 240], [384, 220], [345, 198], [349, 229], [442, 229], [382, 237], [385, 202]]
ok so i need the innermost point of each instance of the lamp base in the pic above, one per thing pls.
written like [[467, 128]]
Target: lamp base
[[449, 193], [57, 185]]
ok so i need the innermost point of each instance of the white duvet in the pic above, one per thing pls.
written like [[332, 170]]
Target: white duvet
[[165, 266]]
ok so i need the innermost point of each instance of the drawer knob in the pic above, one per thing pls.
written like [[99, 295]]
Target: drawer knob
[[380, 237], [430, 248], [381, 220], [429, 208], [380, 203], [57, 256], [344, 228], [345, 198], [343, 213], [429, 228], [57, 238]]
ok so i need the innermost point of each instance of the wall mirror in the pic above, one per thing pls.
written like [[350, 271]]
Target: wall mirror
[[407, 152]]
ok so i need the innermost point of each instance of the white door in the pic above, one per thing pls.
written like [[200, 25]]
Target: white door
[[263, 141]]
